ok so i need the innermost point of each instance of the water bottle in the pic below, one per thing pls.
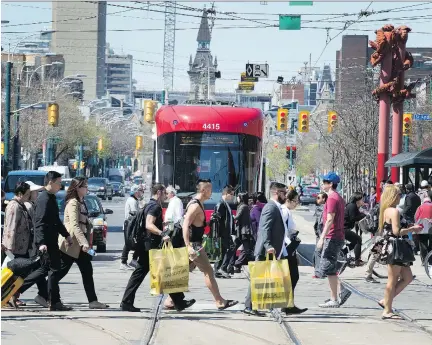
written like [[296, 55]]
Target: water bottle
[[91, 252]]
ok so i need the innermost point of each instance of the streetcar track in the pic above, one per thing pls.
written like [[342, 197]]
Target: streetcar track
[[277, 317], [73, 319], [353, 289], [151, 333]]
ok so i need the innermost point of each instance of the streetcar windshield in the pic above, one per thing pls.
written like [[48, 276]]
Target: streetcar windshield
[[224, 158]]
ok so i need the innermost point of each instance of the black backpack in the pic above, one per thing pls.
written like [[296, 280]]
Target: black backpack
[[136, 232], [177, 233]]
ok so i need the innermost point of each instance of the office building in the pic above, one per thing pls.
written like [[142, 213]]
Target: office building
[[79, 34], [119, 82]]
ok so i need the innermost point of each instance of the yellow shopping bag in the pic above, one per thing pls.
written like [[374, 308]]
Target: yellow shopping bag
[[270, 284], [169, 270]]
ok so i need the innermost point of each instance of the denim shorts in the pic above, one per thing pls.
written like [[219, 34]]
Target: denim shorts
[[329, 256]]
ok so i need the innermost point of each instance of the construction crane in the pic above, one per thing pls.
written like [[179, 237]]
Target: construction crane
[[169, 45]]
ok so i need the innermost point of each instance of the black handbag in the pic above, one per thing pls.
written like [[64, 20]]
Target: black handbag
[[403, 252]]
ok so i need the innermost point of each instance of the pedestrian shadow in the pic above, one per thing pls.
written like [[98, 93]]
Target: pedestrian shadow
[[102, 258]]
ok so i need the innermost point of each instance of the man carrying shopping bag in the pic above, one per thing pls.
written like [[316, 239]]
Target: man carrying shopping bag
[[272, 240], [153, 223]]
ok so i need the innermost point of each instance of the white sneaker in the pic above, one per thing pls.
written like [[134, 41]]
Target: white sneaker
[[330, 304], [126, 267], [133, 263]]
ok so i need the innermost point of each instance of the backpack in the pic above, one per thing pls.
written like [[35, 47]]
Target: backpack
[[369, 224], [135, 230], [176, 234]]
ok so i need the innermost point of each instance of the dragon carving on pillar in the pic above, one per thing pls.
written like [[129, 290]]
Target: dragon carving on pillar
[[387, 41]]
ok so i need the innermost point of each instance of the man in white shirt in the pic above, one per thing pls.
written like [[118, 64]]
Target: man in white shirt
[[174, 211], [131, 208]]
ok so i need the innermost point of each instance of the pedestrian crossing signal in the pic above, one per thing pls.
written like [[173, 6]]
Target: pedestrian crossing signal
[[282, 119], [303, 121], [407, 125]]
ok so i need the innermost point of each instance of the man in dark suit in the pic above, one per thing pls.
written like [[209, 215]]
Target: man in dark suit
[[226, 229], [271, 238]]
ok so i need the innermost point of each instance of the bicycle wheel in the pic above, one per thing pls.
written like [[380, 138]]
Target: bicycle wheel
[[379, 271], [342, 262], [428, 264]]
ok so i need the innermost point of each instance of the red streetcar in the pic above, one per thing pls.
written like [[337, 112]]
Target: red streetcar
[[220, 143]]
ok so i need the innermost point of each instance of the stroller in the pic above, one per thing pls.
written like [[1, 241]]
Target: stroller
[[13, 275]]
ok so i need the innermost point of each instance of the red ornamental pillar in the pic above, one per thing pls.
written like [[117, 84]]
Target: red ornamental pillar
[[401, 37], [384, 122]]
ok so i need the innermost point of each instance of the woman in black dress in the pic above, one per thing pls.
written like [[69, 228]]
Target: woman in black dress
[[391, 227]]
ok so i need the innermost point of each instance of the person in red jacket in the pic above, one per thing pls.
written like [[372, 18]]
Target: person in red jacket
[[423, 216]]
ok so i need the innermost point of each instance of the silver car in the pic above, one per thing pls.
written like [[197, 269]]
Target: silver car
[[309, 195]]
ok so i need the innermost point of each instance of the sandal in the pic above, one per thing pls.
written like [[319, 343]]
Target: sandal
[[391, 316], [228, 304], [171, 307]]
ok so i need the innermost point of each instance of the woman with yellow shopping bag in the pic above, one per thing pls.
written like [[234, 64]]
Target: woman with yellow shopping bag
[[271, 239]]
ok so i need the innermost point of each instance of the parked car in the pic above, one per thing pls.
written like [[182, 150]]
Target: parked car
[[309, 195], [118, 189], [101, 187], [16, 176], [66, 183], [97, 215]]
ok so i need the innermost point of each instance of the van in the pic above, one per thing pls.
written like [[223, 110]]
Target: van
[[16, 176], [61, 169]]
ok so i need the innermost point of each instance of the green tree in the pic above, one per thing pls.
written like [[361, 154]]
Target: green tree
[[277, 165]]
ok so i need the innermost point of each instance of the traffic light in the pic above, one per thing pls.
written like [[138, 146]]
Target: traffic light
[[2, 148], [138, 142], [291, 150], [82, 165], [53, 114], [332, 118], [100, 144], [75, 165], [149, 110], [303, 121], [407, 125], [282, 119]]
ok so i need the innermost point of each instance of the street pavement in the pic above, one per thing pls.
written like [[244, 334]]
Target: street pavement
[[357, 322]]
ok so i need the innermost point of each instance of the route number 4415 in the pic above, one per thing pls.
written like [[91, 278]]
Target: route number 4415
[[214, 126]]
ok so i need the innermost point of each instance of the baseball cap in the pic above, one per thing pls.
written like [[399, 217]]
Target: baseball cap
[[424, 183], [34, 186], [332, 177], [135, 189]]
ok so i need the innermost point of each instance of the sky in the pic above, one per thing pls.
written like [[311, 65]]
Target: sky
[[237, 38]]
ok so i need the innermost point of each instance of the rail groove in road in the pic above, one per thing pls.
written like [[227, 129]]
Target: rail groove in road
[[372, 298]]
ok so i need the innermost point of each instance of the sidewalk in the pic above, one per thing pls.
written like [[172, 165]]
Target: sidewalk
[[357, 322]]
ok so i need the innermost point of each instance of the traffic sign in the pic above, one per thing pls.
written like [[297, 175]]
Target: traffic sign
[[246, 86], [244, 78], [422, 117], [257, 70], [36, 106]]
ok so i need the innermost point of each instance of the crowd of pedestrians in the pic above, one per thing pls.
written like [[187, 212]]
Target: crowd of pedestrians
[[258, 228]]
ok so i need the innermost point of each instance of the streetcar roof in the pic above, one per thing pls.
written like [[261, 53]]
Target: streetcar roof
[[180, 118]]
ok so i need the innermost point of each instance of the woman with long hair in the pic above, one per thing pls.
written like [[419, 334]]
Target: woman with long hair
[[259, 200], [392, 227], [78, 225], [292, 201], [351, 217], [243, 230]]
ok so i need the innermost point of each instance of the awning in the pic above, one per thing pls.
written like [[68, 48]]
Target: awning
[[419, 159]]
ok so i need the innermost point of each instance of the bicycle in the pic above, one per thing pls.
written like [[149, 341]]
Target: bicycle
[[346, 259]]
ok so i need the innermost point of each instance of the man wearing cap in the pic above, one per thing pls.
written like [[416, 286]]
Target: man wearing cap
[[423, 191], [131, 208], [332, 240]]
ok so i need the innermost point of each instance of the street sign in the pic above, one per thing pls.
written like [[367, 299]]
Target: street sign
[[257, 70], [244, 78], [245, 86], [289, 22], [422, 117], [301, 3], [36, 106]]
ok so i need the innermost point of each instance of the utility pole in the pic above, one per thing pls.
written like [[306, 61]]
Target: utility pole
[[7, 114], [16, 147]]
